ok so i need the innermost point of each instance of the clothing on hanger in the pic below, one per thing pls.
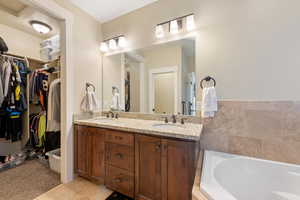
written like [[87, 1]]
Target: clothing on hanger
[[53, 115], [13, 80]]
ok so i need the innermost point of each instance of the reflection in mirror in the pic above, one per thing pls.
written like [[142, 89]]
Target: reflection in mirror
[[159, 79]]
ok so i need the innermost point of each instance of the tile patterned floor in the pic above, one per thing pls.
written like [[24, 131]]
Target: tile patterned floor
[[79, 189]]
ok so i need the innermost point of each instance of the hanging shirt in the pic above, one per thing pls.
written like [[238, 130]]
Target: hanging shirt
[[53, 114], [6, 72], [42, 130], [1, 82]]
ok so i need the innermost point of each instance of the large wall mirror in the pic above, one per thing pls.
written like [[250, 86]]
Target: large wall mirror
[[160, 79]]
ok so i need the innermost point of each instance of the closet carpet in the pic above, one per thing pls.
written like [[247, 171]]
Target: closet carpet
[[27, 181]]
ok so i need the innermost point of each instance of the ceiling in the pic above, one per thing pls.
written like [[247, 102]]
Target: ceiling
[[107, 10], [17, 15]]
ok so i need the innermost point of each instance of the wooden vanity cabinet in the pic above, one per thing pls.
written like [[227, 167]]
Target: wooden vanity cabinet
[[148, 172], [119, 162], [89, 153], [165, 168], [178, 169], [139, 166]]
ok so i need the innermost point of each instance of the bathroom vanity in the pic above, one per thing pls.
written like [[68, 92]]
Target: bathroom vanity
[[143, 159]]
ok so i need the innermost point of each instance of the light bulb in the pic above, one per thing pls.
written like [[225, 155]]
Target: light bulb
[[190, 23], [122, 42], [159, 31], [112, 44], [174, 27], [104, 47]]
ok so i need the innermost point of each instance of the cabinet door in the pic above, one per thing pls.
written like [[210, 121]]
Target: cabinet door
[[177, 169], [147, 168], [97, 149], [82, 140]]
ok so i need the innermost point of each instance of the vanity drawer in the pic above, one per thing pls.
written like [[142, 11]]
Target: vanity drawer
[[119, 137], [120, 156], [119, 180]]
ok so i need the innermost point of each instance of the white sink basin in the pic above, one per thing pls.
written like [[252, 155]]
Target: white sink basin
[[103, 119], [169, 126]]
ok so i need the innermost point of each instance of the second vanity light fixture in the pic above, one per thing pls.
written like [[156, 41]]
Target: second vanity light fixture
[[113, 43], [175, 25]]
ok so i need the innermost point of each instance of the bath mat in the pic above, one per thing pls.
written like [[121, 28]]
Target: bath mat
[[118, 196]]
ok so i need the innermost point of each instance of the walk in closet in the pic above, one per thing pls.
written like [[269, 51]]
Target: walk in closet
[[30, 112]]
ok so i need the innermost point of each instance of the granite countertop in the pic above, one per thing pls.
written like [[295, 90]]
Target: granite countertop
[[187, 131]]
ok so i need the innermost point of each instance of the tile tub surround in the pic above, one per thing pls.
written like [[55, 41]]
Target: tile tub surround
[[188, 132], [267, 130]]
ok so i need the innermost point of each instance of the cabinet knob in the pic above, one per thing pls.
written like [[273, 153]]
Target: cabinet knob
[[118, 180], [158, 147], [118, 137], [119, 155]]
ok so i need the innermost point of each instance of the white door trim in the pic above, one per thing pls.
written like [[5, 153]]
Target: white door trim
[[161, 70], [142, 88], [67, 78]]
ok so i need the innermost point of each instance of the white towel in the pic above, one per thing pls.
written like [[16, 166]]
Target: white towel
[[209, 102], [89, 102], [115, 102]]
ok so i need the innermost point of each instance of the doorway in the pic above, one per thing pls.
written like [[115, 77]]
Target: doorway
[[163, 90]]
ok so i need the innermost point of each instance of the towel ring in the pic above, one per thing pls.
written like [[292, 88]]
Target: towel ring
[[207, 79], [87, 85]]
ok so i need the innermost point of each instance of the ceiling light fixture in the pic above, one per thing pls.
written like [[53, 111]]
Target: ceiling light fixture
[[159, 31], [40, 27]]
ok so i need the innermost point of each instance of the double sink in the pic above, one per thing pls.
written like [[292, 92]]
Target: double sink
[[187, 131]]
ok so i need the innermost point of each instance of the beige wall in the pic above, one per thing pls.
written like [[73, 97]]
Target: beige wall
[[87, 58], [251, 47], [20, 43]]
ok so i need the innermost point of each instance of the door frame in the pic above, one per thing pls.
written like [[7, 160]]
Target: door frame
[[66, 19], [162, 70]]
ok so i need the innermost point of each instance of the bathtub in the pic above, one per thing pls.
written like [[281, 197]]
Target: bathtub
[[233, 177]]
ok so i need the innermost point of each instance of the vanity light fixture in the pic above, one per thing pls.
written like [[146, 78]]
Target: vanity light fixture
[[190, 23], [159, 31], [175, 25], [104, 47], [40, 27], [113, 43], [122, 42]]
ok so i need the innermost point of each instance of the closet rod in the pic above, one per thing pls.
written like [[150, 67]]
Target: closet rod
[[13, 55], [23, 57]]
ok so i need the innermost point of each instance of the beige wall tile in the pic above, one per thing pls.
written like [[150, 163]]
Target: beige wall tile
[[282, 151], [244, 146], [268, 130]]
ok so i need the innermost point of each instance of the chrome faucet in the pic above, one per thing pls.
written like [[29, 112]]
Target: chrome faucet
[[174, 119], [110, 113]]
